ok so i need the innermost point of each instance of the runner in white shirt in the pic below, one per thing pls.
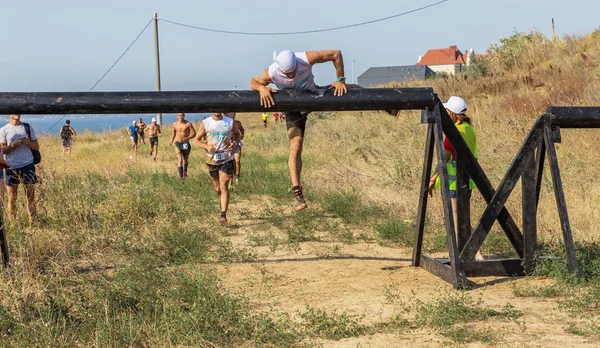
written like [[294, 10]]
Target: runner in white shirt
[[222, 136], [293, 70]]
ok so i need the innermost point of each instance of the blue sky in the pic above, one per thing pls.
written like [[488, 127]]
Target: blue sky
[[67, 45]]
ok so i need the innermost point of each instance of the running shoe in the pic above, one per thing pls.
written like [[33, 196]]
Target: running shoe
[[299, 198], [223, 219], [236, 180]]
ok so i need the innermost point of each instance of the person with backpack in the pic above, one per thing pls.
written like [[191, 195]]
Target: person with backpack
[[18, 140], [66, 134]]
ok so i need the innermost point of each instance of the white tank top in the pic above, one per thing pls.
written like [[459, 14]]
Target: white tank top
[[304, 78], [218, 134]]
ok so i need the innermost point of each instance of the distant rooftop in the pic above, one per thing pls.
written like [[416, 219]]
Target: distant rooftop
[[387, 74], [443, 56]]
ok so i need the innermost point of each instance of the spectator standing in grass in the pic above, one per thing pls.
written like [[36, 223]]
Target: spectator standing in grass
[[66, 134], [457, 109], [293, 70], [222, 135], [17, 146]]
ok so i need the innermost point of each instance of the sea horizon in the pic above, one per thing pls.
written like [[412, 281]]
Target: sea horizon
[[50, 125]]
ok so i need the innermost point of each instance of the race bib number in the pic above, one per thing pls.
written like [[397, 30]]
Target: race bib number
[[219, 156], [185, 146]]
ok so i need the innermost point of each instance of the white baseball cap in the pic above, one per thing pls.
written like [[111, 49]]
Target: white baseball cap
[[456, 104], [153, 119], [286, 61]]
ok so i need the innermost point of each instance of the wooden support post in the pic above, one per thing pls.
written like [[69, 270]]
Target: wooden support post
[[457, 281], [463, 203], [481, 180], [529, 207], [497, 202], [539, 164], [427, 163], [560, 200], [3, 243]]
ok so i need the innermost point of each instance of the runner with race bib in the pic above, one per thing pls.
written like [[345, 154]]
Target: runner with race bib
[[221, 135]]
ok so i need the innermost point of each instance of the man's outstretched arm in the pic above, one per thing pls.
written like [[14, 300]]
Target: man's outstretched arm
[[259, 83], [334, 56]]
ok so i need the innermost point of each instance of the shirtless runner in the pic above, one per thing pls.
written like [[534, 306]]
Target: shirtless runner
[[183, 131], [153, 130]]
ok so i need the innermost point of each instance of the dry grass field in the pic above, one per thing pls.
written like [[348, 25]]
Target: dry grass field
[[123, 254]]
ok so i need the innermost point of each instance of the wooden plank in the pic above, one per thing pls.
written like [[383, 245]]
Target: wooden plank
[[481, 180], [529, 207], [447, 205], [574, 117], [514, 172], [212, 101], [561, 203], [437, 268], [463, 204], [493, 268], [422, 211]]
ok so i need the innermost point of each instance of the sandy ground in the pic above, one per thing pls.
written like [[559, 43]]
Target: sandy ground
[[374, 283]]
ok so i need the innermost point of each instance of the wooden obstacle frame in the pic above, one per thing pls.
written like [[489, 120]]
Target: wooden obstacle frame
[[527, 165]]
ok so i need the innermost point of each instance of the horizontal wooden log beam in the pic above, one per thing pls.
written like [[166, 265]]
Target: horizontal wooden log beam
[[212, 101], [574, 117]]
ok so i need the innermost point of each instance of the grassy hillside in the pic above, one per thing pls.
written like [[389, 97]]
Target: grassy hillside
[[124, 254]]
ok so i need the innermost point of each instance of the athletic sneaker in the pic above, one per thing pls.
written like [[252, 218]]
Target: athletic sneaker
[[299, 198], [236, 180], [230, 186], [223, 219]]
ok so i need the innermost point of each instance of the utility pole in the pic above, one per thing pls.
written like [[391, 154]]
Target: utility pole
[[352, 71], [157, 62]]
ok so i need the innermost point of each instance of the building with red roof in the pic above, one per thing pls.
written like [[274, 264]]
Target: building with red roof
[[446, 60]]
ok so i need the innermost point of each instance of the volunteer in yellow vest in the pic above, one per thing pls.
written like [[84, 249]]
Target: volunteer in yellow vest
[[457, 108], [222, 135]]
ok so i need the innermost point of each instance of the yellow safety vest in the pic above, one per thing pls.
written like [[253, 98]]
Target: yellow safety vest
[[470, 137]]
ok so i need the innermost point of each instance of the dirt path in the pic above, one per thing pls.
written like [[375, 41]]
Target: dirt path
[[375, 283]]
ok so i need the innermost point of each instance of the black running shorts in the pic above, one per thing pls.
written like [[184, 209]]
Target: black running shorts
[[296, 119], [226, 167]]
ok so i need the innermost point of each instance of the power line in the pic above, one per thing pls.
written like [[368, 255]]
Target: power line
[[305, 31], [111, 67]]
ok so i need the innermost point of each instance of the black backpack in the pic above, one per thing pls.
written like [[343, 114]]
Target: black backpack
[[65, 132], [37, 156]]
